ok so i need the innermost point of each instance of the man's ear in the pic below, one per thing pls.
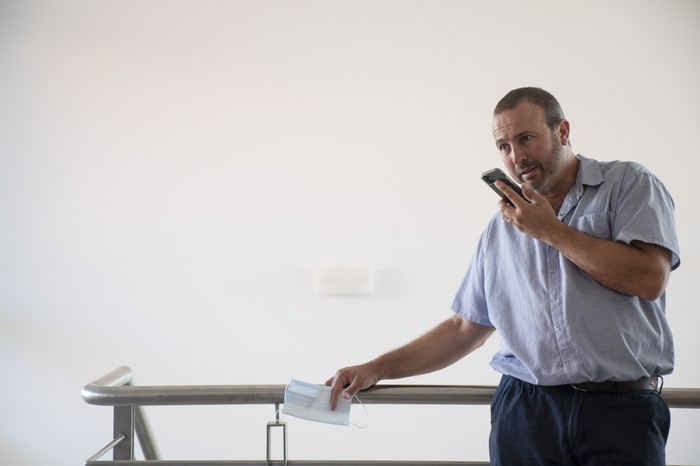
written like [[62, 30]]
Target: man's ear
[[563, 132]]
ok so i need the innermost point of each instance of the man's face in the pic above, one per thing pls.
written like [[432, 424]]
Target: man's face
[[531, 151]]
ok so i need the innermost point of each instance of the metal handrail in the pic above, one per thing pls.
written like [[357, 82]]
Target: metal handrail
[[116, 389]]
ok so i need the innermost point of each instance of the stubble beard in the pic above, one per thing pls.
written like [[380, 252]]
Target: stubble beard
[[553, 166]]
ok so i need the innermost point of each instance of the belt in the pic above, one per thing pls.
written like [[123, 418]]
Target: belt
[[645, 383]]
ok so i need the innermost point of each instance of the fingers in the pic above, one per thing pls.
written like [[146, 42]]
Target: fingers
[[351, 389], [512, 195], [507, 210], [348, 381], [338, 383]]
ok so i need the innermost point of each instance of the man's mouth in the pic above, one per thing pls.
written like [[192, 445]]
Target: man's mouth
[[525, 172]]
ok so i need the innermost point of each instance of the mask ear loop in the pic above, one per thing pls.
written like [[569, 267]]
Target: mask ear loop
[[366, 415], [279, 412]]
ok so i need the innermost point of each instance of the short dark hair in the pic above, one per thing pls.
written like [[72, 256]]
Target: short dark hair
[[552, 110]]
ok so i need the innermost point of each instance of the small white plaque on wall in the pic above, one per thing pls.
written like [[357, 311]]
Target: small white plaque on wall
[[345, 280]]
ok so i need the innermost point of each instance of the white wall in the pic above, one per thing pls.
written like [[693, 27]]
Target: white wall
[[172, 173]]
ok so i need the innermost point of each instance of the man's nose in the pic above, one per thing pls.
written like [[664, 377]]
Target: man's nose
[[517, 156]]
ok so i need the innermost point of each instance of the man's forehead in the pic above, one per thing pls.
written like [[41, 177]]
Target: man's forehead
[[525, 115]]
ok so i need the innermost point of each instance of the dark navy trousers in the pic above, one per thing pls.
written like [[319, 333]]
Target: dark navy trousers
[[560, 426]]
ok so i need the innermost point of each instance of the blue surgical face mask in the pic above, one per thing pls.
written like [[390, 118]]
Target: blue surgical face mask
[[313, 403]]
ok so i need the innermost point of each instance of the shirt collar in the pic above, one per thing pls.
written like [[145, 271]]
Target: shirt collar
[[589, 173]]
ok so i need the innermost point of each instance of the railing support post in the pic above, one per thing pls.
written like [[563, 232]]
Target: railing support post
[[270, 425], [124, 425]]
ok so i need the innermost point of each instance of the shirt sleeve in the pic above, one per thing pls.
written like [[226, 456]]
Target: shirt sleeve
[[470, 301], [645, 212]]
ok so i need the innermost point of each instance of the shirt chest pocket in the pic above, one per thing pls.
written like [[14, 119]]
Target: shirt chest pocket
[[598, 224]]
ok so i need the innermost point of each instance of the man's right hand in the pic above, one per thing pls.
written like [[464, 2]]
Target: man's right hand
[[445, 344], [348, 381]]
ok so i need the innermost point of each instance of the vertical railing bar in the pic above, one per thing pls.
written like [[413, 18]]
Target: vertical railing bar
[[270, 425], [124, 424], [144, 435]]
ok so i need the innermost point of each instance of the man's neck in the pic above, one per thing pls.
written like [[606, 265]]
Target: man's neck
[[558, 193]]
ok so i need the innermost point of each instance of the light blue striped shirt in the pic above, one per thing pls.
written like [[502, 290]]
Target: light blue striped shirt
[[556, 324]]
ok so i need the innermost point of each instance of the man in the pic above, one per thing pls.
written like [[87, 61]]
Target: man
[[573, 279]]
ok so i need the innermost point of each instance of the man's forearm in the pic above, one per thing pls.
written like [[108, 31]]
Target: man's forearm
[[442, 346], [639, 269]]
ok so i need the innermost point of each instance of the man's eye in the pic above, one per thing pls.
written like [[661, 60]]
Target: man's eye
[[503, 147], [526, 138]]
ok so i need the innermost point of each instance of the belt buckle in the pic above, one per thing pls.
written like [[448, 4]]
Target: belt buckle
[[580, 386], [576, 387]]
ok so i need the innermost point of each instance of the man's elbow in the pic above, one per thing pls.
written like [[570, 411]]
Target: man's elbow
[[651, 296], [655, 272], [654, 287]]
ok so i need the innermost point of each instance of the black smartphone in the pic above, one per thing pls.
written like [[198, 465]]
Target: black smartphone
[[491, 176]]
